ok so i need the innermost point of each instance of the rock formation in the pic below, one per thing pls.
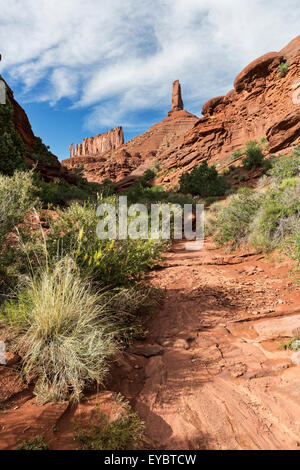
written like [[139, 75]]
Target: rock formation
[[49, 171], [177, 103], [134, 157], [71, 148], [101, 143], [262, 104]]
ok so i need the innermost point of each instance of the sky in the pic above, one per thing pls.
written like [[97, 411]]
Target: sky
[[82, 67]]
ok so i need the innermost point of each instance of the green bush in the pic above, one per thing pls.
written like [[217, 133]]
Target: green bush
[[65, 332], [283, 69], [272, 222], [73, 232], [155, 195], [254, 156], [16, 200], [232, 225], [292, 242], [286, 166], [203, 181], [60, 192], [41, 154]]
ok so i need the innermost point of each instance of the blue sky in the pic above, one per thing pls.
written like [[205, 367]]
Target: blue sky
[[81, 67]]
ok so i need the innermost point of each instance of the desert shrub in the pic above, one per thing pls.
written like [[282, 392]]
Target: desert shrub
[[146, 179], [16, 199], [293, 344], [273, 220], [291, 244], [124, 433], [41, 153], [236, 154], [65, 331], [12, 148], [232, 225], [203, 181], [115, 262], [283, 69], [155, 195], [60, 192], [107, 188], [36, 443], [286, 166], [254, 156]]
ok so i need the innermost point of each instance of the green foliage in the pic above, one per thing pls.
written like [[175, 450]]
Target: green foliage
[[41, 154], [286, 166], [233, 219], [60, 192], [73, 232], [283, 69], [278, 206], [145, 180], [236, 154], [203, 181], [124, 433], [36, 443], [293, 344], [254, 156], [16, 199], [291, 244], [12, 148], [154, 195]]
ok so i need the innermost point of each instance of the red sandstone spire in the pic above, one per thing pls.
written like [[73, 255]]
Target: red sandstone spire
[[177, 103]]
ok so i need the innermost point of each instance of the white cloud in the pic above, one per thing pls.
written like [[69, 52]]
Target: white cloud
[[120, 57]]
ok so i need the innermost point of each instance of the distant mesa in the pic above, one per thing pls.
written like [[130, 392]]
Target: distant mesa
[[101, 143]]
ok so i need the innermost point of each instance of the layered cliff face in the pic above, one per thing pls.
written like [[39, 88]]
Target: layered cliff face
[[101, 143], [263, 103], [48, 165], [140, 153]]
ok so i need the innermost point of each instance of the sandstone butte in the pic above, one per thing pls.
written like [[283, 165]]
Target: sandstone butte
[[260, 105]]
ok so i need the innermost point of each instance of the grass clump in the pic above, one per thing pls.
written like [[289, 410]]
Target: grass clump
[[283, 69], [125, 433], [65, 332], [36, 443], [203, 181]]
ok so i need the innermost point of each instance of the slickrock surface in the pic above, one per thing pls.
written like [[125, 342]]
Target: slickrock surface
[[222, 381]]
